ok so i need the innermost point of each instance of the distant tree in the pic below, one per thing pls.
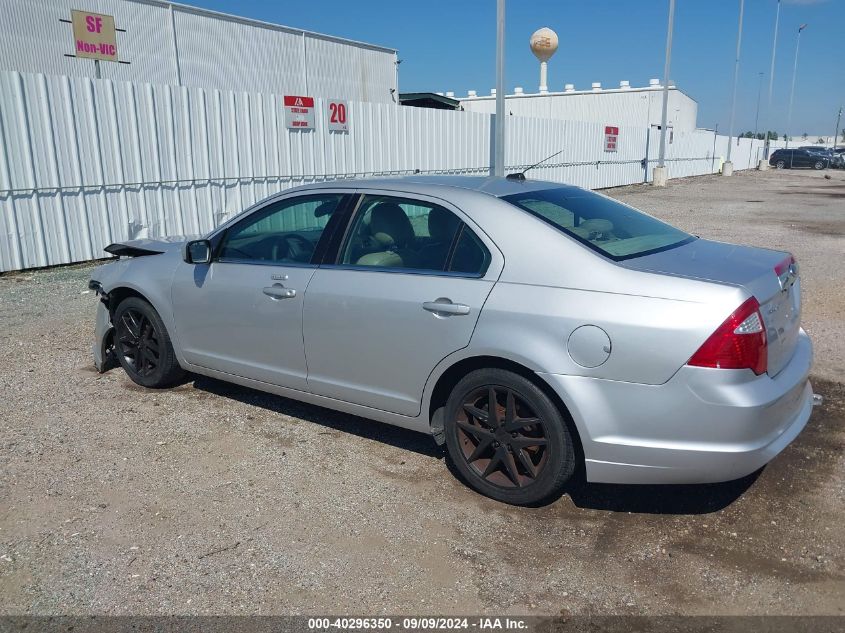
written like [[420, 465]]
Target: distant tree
[[785, 137], [748, 134], [804, 136], [760, 136], [773, 136]]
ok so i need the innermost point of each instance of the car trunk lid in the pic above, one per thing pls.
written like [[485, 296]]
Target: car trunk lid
[[777, 291]]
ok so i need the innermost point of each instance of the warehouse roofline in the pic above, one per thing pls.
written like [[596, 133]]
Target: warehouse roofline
[[262, 24], [518, 94]]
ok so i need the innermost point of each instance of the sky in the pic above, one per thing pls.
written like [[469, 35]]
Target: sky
[[450, 45]]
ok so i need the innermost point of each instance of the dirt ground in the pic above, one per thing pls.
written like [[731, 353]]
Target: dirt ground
[[214, 499]]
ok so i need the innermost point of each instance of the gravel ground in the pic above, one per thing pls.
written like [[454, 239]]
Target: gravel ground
[[209, 498]]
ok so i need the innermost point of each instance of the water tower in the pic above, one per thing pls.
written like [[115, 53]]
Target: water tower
[[544, 45]]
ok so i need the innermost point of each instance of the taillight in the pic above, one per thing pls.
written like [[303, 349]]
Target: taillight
[[787, 272], [783, 266], [739, 343]]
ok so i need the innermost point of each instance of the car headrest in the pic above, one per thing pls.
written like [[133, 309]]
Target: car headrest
[[596, 226], [389, 225], [326, 208], [442, 224]]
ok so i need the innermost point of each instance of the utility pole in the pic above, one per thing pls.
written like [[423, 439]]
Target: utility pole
[[728, 167], [757, 116], [499, 156], [768, 116], [792, 92], [659, 174], [713, 157]]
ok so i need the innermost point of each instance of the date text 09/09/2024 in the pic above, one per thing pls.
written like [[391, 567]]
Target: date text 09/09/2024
[[416, 624]]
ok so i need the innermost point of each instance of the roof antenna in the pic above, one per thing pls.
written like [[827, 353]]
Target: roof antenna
[[520, 175]]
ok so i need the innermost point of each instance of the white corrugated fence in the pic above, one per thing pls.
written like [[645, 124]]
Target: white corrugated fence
[[85, 162]]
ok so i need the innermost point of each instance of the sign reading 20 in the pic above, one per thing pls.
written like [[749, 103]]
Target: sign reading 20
[[338, 118]]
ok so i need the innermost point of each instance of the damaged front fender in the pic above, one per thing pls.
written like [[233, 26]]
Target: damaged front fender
[[103, 348]]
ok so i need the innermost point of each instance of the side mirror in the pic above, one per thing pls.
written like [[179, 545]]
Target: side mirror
[[197, 252]]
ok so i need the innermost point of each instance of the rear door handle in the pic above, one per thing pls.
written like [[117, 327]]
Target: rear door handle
[[444, 306], [278, 291]]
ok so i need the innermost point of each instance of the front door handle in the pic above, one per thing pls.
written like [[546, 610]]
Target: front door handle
[[443, 306], [278, 291]]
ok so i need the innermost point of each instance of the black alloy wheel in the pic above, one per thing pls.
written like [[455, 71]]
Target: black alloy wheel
[[507, 438], [138, 342], [142, 344], [501, 437]]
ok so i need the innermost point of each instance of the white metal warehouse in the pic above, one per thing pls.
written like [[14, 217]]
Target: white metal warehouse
[[622, 106], [197, 126], [167, 43]]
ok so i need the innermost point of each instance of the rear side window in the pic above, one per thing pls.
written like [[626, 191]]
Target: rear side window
[[470, 255], [613, 229], [390, 232]]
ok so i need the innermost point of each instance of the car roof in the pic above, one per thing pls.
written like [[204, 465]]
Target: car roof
[[491, 185]]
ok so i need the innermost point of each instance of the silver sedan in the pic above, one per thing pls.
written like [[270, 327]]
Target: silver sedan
[[537, 330]]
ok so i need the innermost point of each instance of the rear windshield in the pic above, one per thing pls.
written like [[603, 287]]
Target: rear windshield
[[613, 229]]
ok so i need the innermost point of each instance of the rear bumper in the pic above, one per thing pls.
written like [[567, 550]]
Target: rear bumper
[[703, 425]]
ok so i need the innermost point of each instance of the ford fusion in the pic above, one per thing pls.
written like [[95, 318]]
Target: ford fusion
[[534, 329]]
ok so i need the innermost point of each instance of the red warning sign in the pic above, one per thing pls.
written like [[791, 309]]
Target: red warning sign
[[611, 138], [299, 112]]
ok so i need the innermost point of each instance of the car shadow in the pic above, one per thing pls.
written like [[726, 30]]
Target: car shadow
[[628, 498], [338, 421], [659, 499], [665, 499]]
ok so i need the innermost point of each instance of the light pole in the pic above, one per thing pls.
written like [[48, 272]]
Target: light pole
[[659, 174], [713, 157], [757, 116], [499, 155], [728, 167], [768, 115], [792, 91]]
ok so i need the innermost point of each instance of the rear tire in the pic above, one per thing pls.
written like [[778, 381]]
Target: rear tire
[[818, 165], [142, 345], [781, 164], [524, 454]]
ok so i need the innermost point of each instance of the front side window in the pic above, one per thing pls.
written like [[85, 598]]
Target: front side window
[[401, 233], [605, 225], [283, 232]]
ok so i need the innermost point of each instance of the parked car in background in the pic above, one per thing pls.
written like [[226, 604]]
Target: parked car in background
[[535, 329], [797, 158], [837, 161]]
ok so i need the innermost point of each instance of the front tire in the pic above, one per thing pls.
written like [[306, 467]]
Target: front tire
[[781, 164], [818, 165], [522, 454], [142, 345]]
